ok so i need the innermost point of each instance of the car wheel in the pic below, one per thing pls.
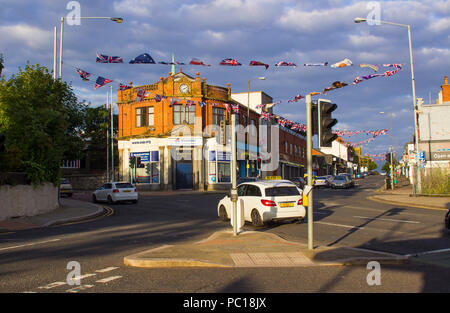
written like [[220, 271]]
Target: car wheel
[[110, 200], [256, 218], [299, 220], [94, 199], [223, 213]]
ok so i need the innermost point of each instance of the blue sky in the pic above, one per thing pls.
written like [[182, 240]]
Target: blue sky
[[261, 30]]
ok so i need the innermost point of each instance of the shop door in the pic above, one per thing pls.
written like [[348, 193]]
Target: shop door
[[184, 175]]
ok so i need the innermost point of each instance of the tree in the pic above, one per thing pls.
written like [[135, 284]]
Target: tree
[[37, 116], [367, 162]]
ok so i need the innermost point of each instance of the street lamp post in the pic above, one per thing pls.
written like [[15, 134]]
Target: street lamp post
[[390, 152], [248, 121], [114, 19], [417, 188]]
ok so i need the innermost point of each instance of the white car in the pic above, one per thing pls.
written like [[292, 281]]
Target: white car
[[112, 192], [266, 200]]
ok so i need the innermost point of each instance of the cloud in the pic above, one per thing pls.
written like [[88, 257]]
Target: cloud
[[33, 37]]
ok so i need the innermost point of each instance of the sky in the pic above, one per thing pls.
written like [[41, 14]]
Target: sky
[[262, 30]]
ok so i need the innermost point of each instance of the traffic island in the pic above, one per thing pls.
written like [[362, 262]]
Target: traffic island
[[251, 249]]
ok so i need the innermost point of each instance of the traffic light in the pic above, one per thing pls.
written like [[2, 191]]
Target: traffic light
[[132, 161], [223, 132], [326, 122], [138, 162], [2, 143], [388, 157], [148, 168], [314, 118]]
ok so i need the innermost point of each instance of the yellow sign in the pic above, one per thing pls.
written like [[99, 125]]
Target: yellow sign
[[273, 178]]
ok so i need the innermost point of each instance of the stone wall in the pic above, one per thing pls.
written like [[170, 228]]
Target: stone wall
[[86, 181], [26, 200]]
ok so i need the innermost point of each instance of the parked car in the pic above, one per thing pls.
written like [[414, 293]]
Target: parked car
[[352, 182], [447, 221], [65, 187], [341, 181], [241, 180], [300, 182], [322, 181], [113, 192], [266, 200]]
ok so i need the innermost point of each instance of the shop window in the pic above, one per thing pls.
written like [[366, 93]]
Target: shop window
[[223, 172]]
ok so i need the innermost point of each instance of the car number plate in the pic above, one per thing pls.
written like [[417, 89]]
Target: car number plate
[[286, 205], [127, 191]]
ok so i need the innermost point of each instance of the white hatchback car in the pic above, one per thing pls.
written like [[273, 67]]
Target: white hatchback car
[[116, 191], [266, 200]]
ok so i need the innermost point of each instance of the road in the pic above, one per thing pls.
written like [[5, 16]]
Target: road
[[36, 260]]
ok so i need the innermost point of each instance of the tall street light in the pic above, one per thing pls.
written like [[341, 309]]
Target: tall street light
[[417, 186], [114, 19], [390, 151], [248, 121]]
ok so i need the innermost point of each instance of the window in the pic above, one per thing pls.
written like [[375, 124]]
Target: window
[[253, 191], [223, 172], [282, 191], [151, 116], [218, 115], [183, 114], [190, 114], [291, 148], [177, 114], [140, 117], [286, 147], [241, 190]]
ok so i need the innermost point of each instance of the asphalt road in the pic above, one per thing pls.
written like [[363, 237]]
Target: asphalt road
[[36, 260]]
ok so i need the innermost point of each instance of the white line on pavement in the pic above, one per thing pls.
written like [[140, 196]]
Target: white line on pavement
[[108, 269], [429, 252], [79, 288], [386, 219], [53, 285], [29, 244], [108, 279], [83, 276]]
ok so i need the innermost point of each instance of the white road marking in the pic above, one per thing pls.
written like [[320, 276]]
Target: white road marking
[[108, 279], [108, 269], [429, 252], [29, 244], [53, 285], [79, 288], [386, 219], [83, 276], [339, 225]]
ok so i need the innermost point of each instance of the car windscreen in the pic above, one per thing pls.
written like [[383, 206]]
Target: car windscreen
[[321, 177], [64, 181], [282, 191], [340, 178], [124, 185]]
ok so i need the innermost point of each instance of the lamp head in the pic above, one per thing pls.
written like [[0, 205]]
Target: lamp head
[[117, 19], [360, 20]]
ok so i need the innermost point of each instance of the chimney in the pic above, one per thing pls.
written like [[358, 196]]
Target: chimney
[[445, 90]]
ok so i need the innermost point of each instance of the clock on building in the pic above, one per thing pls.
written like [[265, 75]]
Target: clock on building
[[184, 88]]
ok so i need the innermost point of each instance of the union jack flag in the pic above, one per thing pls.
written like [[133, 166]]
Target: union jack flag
[[296, 98], [123, 87], [101, 81], [235, 108], [396, 65], [158, 98], [231, 62], [282, 122], [83, 74], [108, 59], [390, 73], [195, 61], [265, 115], [257, 63], [190, 102], [141, 94], [227, 106], [283, 63], [201, 104]]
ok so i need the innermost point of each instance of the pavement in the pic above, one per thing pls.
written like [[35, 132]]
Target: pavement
[[403, 196], [247, 249], [70, 211]]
